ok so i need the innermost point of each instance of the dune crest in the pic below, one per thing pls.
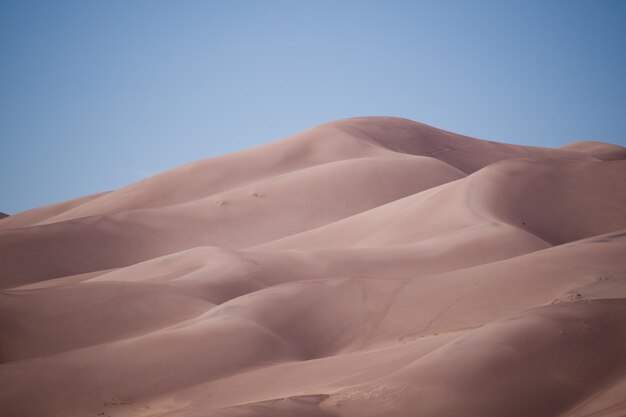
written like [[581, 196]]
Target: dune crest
[[371, 266]]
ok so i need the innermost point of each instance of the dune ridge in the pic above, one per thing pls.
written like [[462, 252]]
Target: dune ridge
[[371, 266]]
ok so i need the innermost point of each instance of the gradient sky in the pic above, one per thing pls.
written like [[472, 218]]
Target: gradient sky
[[98, 94]]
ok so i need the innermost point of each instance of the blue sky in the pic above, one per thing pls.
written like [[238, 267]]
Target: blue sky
[[98, 94]]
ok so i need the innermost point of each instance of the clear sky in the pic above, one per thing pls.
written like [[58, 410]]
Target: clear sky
[[98, 94]]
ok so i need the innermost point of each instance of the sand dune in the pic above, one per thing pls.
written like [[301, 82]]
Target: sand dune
[[364, 267], [30, 217], [600, 150]]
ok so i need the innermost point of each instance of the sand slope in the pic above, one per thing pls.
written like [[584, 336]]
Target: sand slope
[[365, 267]]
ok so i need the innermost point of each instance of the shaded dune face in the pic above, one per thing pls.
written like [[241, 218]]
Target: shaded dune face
[[365, 267]]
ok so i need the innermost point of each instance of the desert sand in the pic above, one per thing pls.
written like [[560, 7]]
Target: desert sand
[[367, 267]]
